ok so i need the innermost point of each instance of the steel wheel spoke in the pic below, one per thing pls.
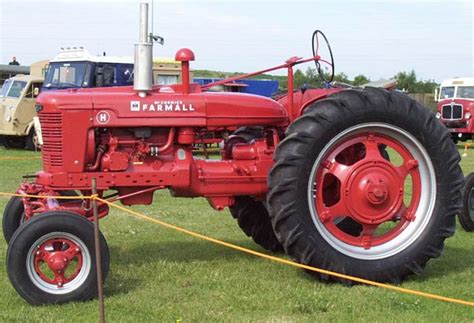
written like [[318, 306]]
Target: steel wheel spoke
[[334, 211], [72, 251], [372, 148], [407, 167], [340, 171], [59, 277]]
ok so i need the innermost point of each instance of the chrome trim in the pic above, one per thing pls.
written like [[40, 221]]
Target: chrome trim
[[451, 105]]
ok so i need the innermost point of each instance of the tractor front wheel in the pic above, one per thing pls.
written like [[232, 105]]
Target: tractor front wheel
[[51, 259], [14, 214], [331, 171]]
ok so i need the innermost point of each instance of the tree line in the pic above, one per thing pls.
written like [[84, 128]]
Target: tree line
[[406, 81]]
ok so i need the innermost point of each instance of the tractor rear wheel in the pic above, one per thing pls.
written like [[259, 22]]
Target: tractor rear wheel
[[466, 216], [51, 259], [330, 169], [253, 219], [252, 215]]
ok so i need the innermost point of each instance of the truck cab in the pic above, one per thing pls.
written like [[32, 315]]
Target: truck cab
[[455, 106], [17, 108], [76, 68]]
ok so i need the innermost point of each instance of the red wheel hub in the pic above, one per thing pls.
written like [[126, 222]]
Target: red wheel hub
[[376, 190], [53, 258], [373, 192], [357, 180]]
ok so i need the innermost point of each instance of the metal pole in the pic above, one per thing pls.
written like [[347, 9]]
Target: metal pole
[[98, 258]]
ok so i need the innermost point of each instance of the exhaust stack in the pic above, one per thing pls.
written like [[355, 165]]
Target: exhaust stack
[[143, 58]]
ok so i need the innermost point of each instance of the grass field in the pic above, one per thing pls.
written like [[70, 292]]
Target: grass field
[[160, 275]]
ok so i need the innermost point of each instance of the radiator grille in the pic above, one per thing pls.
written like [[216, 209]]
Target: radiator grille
[[51, 128], [452, 112]]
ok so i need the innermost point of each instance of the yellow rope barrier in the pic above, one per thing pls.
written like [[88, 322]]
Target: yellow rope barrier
[[259, 254], [288, 262]]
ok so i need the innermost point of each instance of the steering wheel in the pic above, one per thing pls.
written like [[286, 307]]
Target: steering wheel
[[316, 50]]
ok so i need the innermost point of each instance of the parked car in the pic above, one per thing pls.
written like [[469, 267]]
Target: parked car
[[17, 109]]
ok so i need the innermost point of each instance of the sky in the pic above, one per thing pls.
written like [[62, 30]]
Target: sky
[[374, 38]]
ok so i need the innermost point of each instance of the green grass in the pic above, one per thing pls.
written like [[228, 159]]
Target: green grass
[[160, 275]]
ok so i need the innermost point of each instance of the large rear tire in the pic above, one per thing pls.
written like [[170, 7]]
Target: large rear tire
[[329, 168], [253, 219], [51, 259]]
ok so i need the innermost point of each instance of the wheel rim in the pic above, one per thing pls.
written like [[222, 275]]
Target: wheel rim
[[353, 179], [58, 263]]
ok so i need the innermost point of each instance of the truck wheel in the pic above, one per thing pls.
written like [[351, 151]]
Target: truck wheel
[[11, 142], [466, 216], [31, 141], [51, 259], [13, 214], [406, 207], [253, 219]]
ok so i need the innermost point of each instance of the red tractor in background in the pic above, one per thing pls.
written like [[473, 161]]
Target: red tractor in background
[[364, 182]]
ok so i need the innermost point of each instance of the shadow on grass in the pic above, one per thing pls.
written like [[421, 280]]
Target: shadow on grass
[[150, 252], [117, 284], [452, 261]]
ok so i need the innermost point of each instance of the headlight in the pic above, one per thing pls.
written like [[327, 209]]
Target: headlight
[[438, 115], [8, 114], [467, 115]]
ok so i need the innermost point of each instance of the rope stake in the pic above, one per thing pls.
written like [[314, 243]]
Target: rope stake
[[98, 257]]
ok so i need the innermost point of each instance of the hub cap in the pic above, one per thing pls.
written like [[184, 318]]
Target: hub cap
[[378, 178], [58, 263]]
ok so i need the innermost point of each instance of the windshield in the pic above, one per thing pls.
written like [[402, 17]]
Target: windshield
[[67, 75], [447, 92], [465, 92], [5, 87], [12, 88]]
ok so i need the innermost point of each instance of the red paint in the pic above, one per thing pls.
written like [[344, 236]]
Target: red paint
[[355, 180], [57, 254], [135, 145], [463, 126], [185, 55]]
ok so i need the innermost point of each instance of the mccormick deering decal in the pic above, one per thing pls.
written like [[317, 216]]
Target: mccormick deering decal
[[161, 106]]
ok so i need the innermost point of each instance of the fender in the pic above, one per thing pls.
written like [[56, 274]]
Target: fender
[[314, 96], [30, 127]]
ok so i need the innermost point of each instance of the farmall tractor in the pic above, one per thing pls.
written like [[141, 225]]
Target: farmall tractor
[[364, 182]]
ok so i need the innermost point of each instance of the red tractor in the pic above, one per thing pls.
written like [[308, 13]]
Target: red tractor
[[364, 182]]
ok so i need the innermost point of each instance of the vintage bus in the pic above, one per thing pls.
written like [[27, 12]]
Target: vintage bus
[[455, 107]]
